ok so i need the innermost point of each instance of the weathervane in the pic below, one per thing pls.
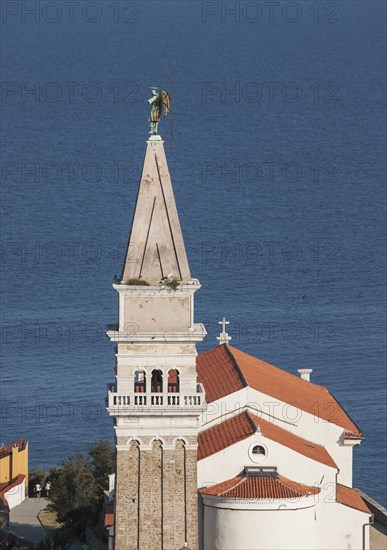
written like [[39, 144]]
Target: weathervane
[[223, 338], [160, 104]]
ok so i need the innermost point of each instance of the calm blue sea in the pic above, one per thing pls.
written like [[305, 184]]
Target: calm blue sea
[[278, 166]]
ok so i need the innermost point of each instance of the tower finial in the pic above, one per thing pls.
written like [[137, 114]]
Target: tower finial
[[223, 338], [160, 104]]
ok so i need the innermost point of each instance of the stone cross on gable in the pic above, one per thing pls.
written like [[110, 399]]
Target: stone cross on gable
[[223, 338]]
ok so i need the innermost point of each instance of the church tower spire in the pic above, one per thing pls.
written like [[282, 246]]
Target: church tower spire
[[156, 247], [156, 401]]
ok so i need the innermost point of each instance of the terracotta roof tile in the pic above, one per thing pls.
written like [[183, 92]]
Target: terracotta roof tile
[[216, 371], [350, 497], [259, 487], [223, 435], [225, 369], [7, 449], [300, 445], [109, 515], [244, 425]]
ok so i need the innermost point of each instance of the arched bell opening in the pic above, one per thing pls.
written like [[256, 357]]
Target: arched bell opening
[[157, 381], [140, 381], [173, 381]]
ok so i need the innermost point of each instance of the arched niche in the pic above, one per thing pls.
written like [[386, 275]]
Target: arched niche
[[139, 381], [157, 381], [173, 381]]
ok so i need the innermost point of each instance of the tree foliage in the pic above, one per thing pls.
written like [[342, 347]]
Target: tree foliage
[[55, 541], [102, 457], [9, 541], [36, 475], [78, 486]]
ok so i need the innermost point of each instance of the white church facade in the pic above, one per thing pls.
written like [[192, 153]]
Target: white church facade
[[274, 461], [217, 451]]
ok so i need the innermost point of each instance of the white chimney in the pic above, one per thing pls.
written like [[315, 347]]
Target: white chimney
[[305, 374]]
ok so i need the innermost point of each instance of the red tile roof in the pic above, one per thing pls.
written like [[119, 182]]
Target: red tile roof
[[109, 515], [225, 370], [244, 425], [260, 487], [8, 486], [7, 449], [224, 435], [350, 497], [298, 444], [218, 373]]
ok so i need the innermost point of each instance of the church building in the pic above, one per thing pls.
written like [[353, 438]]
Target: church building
[[217, 451]]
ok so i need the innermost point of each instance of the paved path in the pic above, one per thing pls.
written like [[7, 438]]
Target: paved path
[[24, 520]]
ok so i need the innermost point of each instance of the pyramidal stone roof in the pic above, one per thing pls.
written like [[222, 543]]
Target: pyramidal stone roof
[[225, 370], [156, 246], [246, 424]]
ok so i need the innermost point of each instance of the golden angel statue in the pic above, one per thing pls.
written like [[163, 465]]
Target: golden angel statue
[[160, 104]]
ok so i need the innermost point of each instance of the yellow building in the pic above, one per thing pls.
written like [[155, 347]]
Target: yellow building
[[14, 461]]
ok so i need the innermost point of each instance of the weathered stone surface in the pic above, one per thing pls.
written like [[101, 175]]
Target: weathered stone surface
[[179, 495], [192, 499], [150, 497], [126, 516], [156, 246], [156, 498]]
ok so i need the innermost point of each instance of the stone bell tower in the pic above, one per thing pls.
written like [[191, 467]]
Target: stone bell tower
[[156, 401]]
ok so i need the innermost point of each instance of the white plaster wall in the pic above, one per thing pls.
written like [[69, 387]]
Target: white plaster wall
[[343, 455], [16, 495], [226, 529], [157, 313], [141, 428], [230, 462], [222, 409], [288, 417], [340, 527], [307, 426]]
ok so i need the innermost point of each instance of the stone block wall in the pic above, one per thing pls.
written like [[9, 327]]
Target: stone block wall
[[156, 496], [127, 498]]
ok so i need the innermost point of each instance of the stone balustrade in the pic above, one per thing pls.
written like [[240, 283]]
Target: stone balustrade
[[153, 400]]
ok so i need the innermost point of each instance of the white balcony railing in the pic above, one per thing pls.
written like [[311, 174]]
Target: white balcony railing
[[153, 400]]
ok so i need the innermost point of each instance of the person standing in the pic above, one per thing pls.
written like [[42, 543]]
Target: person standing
[[38, 490], [47, 488]]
